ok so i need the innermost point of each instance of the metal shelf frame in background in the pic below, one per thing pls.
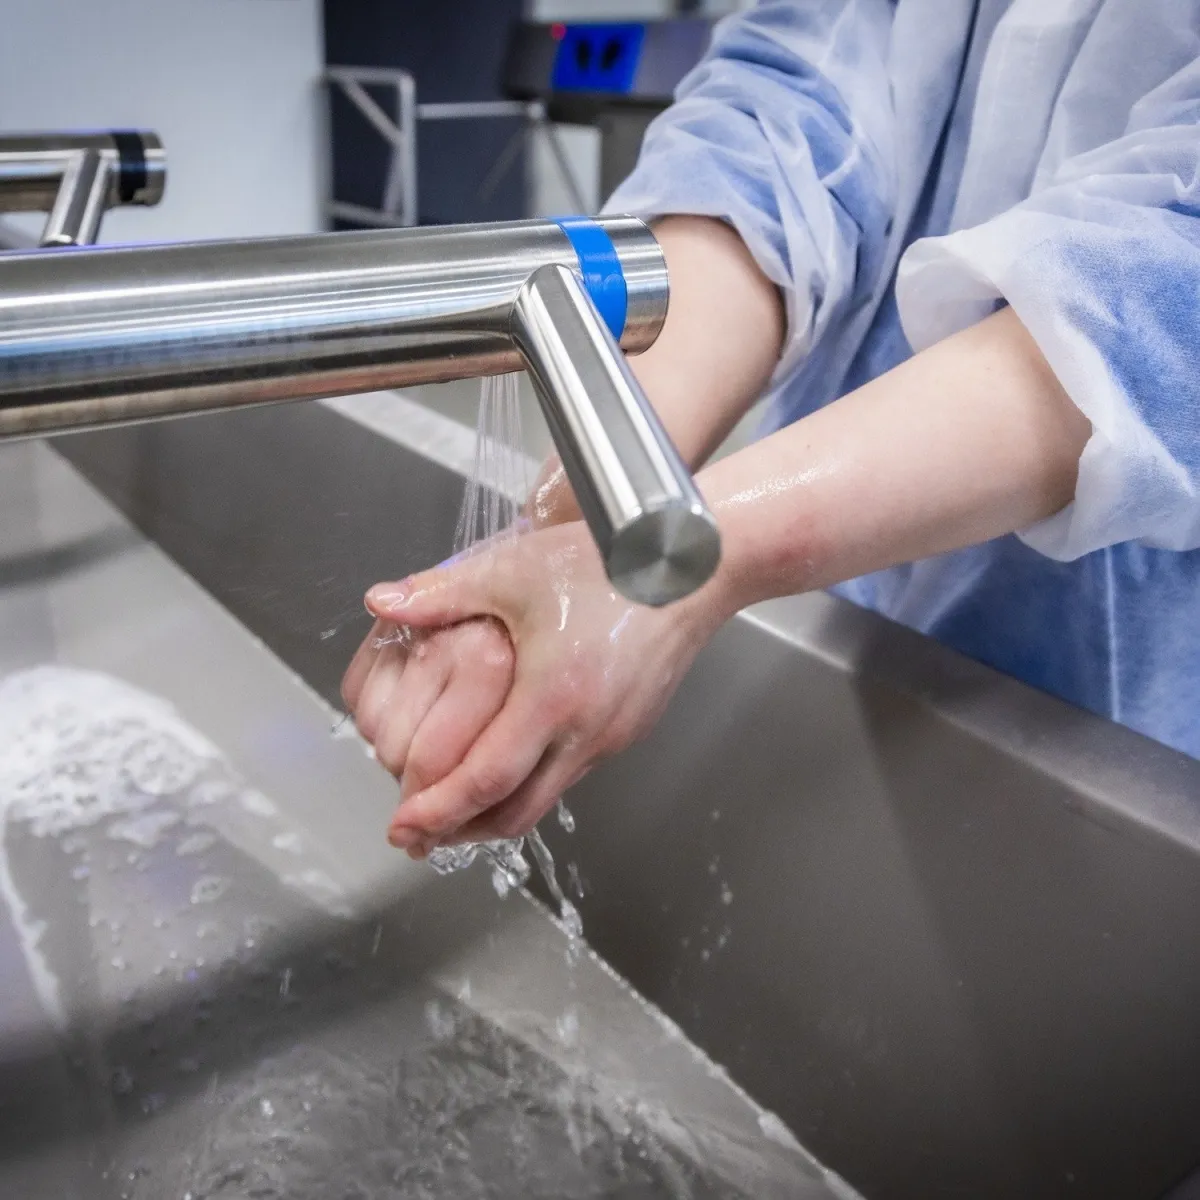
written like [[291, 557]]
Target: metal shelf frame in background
[[400, 206]]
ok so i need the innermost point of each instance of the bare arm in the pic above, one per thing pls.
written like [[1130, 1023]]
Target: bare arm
[[969, 440], [966, 441]]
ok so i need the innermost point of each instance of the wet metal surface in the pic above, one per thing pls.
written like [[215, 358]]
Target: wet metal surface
[[220, 981], [941, 923]]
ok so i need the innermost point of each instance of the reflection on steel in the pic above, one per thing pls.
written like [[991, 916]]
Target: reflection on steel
[[108, 336], [659, 541], [77, 177]]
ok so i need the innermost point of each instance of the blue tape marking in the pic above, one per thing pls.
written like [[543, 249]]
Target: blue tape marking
[[600, 268]]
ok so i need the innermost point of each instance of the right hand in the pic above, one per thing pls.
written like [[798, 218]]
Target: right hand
[[422, 700]]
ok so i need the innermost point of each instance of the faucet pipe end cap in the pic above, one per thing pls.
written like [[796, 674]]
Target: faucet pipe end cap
[[663, 555]]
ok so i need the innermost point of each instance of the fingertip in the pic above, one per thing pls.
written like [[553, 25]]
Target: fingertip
[[387, 599], [403, 837]]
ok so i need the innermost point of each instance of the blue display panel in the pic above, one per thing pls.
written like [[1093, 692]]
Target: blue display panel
[[598, 57]]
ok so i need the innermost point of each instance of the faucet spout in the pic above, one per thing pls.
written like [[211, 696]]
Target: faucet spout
[[77, 177], [657, 539], [101, 337]]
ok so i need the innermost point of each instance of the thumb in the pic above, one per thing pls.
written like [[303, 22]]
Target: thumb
[[444, 595]]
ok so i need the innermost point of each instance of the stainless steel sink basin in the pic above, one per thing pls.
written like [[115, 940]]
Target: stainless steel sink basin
[[942, 924], [220, 983]]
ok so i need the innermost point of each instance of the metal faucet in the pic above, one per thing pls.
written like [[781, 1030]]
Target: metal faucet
[[98, 337], [78, 177]]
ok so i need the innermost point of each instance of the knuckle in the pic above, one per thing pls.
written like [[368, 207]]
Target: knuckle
[[391, 756], [561, 699], [366, 719], [425, 764], [487, 784], [370, 711], [614, 736]]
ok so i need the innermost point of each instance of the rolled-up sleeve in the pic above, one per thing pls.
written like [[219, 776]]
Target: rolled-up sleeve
[[784, 130], [1102, 265]]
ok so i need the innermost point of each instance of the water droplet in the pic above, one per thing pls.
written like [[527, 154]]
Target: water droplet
[[575, 880], [195, 843], [565, 819], [144, 829], [209, 888], [567, 1026], [440, 1020], [775, 1130], [726, 894], [258, 804]]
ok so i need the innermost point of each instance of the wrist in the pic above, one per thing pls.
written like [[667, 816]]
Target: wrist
[[766, 551]]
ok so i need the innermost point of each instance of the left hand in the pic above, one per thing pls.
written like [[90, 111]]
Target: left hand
[[592, 674]]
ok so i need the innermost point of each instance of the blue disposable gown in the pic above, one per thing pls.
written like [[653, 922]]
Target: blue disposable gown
[[901, 168]]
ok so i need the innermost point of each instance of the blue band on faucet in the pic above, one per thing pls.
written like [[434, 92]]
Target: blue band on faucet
[[600, 268]]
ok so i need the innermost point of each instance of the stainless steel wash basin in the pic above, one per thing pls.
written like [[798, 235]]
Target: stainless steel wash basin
[[942, 924], [220, 983]]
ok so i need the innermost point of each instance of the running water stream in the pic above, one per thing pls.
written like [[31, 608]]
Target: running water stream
[[491, 511]]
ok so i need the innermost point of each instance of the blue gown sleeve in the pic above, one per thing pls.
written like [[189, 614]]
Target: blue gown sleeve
[[784, 130], [1102, 265]]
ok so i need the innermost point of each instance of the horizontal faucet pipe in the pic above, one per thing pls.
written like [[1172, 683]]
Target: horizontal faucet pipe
[[101, 337], [77, 177]]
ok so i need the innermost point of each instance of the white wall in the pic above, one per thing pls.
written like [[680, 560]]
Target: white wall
[[230, 85]]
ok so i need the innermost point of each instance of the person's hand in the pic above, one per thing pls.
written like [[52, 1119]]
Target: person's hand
[[421, 699], [552, 500], [592, 674]]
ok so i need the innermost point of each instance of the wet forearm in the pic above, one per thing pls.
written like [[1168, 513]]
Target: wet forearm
[[972, 439]]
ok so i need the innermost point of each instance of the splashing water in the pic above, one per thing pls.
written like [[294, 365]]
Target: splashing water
[[89, 762], [471, 1113], [491, 511], [500, 477]]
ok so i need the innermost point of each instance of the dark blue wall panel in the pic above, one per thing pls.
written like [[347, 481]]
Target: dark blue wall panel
[[455, 49]]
